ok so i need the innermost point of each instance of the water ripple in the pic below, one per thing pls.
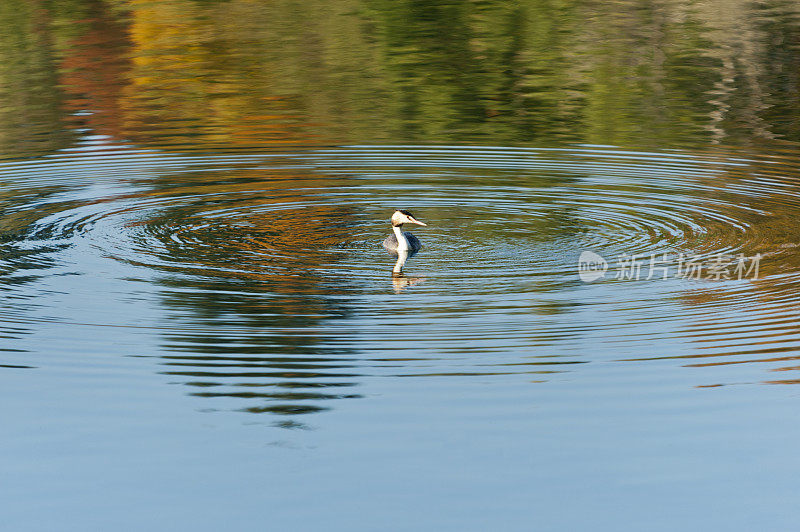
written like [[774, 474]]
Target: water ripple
[[267, 268]]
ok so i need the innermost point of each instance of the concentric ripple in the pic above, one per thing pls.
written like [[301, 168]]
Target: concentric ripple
[[262, 279]]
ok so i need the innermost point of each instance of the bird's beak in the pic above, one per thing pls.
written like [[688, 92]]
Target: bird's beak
[[415, 221]]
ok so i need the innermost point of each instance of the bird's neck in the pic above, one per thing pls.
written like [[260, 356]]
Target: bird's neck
[[402, 243]]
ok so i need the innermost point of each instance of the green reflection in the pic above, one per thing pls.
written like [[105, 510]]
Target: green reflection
[[188, 74], [30, 100]]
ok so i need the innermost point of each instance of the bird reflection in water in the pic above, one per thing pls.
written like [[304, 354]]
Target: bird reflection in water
[[399, 281]]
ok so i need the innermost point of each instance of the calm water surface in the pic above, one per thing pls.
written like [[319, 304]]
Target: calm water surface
[[199, 328]]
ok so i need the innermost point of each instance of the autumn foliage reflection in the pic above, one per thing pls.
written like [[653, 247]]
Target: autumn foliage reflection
[[183, 74]]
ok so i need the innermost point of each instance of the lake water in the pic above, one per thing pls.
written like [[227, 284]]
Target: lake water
[[199, 328]]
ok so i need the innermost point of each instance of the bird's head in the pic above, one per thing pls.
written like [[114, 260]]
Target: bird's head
[[402, 216]]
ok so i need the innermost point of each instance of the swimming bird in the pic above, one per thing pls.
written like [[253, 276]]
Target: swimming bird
[[402, 241]]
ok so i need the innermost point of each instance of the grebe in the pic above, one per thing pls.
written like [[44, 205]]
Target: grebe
[[402, 244], [400, 241]]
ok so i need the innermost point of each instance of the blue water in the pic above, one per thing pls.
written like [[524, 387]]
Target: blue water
[[200, 329], [216, 340]]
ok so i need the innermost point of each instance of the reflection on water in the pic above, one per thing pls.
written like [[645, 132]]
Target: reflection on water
[[193, 197], [190, 75], [401, 282], [402, 257], [275, 293]]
